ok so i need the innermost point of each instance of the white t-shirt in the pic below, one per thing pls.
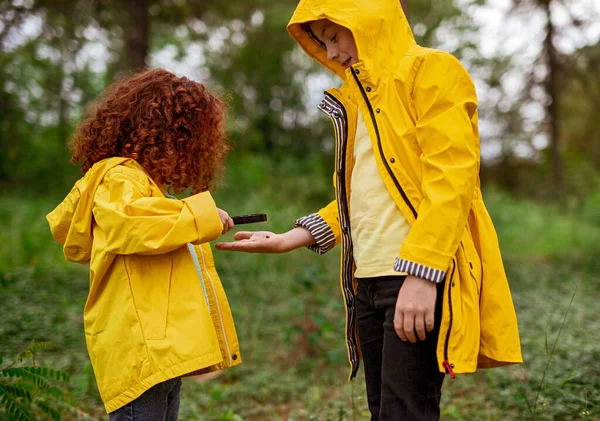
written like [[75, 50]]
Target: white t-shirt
[[378, 227]]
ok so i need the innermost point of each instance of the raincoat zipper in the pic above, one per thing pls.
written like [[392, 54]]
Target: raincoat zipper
[[383, 159], [194, 256], [446, 362], [212, 285], [447, 365]]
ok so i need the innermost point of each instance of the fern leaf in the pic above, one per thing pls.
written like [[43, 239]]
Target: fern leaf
[[23, 385], [49, 373], [13, 409], [15, 391], [25, 373], [55, 391], [31, 350], [40, 346], [48, 410]]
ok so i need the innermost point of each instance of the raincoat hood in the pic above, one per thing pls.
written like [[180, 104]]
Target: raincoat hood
[[71, 221], [380, 29]]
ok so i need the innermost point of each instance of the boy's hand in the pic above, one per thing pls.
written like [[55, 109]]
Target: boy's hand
[[268, 242], [226, 220], [415, 308], [256, 242]]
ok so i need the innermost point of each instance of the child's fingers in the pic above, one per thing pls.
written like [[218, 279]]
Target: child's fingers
[[237, 246], [242, 235], [429, 321], [399, 326], [420, 327], [227, 225], [409, 327], [247, 246]]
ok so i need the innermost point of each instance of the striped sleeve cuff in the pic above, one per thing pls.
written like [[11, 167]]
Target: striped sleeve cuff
[[323, 235], [415, 269]]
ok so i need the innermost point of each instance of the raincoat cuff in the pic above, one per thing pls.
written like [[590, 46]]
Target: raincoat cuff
[[421, 271], [208, 222], [323, 235]]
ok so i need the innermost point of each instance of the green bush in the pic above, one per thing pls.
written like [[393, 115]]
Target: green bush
[[547, 232]]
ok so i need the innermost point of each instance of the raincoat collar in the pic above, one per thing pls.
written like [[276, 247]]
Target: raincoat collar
[[380, 29]]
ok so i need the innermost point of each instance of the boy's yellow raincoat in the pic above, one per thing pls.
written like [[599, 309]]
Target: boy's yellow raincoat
[[420, 108], [149, 315]]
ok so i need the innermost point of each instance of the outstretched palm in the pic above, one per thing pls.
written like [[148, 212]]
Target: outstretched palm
[[256, 242]]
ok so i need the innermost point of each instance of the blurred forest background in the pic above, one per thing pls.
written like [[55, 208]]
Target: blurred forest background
[[536, 64]]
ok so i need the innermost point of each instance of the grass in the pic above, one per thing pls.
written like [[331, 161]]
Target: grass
[[290, 318]]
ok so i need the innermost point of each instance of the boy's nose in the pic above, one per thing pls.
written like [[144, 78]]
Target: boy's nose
[[332, 54]]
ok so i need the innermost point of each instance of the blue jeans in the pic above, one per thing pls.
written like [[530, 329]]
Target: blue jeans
[[159, 403]]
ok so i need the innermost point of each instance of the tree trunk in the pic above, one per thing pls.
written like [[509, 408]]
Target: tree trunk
[[553, 91], [7, 132], [137, 36], [406, 7]]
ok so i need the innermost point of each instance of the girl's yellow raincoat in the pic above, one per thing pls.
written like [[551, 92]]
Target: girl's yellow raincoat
[[420, 108], [156, 308]]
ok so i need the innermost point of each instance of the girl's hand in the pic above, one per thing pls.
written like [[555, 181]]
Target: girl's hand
[[415, 309], [257, 242], [226, 220]]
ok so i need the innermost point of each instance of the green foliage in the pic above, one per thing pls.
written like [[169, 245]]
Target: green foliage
[[532, 407], [26, 392], [548, 233], [49, 77], [290, 318], [288, 311], [25, 237]]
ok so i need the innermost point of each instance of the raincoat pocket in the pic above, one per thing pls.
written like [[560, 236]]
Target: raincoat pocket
[[461, 341], [151, 294], [472, 262]]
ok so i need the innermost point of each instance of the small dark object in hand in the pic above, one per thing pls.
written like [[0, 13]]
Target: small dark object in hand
[[249, 219]]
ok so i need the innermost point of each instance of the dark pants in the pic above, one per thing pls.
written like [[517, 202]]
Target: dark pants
[[159, 403], [403, 380]]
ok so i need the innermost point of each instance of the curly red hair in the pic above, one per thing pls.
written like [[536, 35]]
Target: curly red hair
[[172, 126]]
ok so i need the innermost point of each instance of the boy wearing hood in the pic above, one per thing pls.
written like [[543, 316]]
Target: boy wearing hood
[[421, 271]]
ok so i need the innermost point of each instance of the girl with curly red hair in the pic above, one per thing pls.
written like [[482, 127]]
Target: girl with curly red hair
[[156, 309]]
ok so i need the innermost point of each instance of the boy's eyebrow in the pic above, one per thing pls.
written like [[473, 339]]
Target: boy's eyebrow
[[324, 28]]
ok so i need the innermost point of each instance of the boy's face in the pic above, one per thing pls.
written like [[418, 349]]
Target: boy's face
[[338, 41]]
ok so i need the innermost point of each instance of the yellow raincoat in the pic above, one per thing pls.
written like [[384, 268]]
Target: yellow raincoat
[[156, 308], [420, 108]]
